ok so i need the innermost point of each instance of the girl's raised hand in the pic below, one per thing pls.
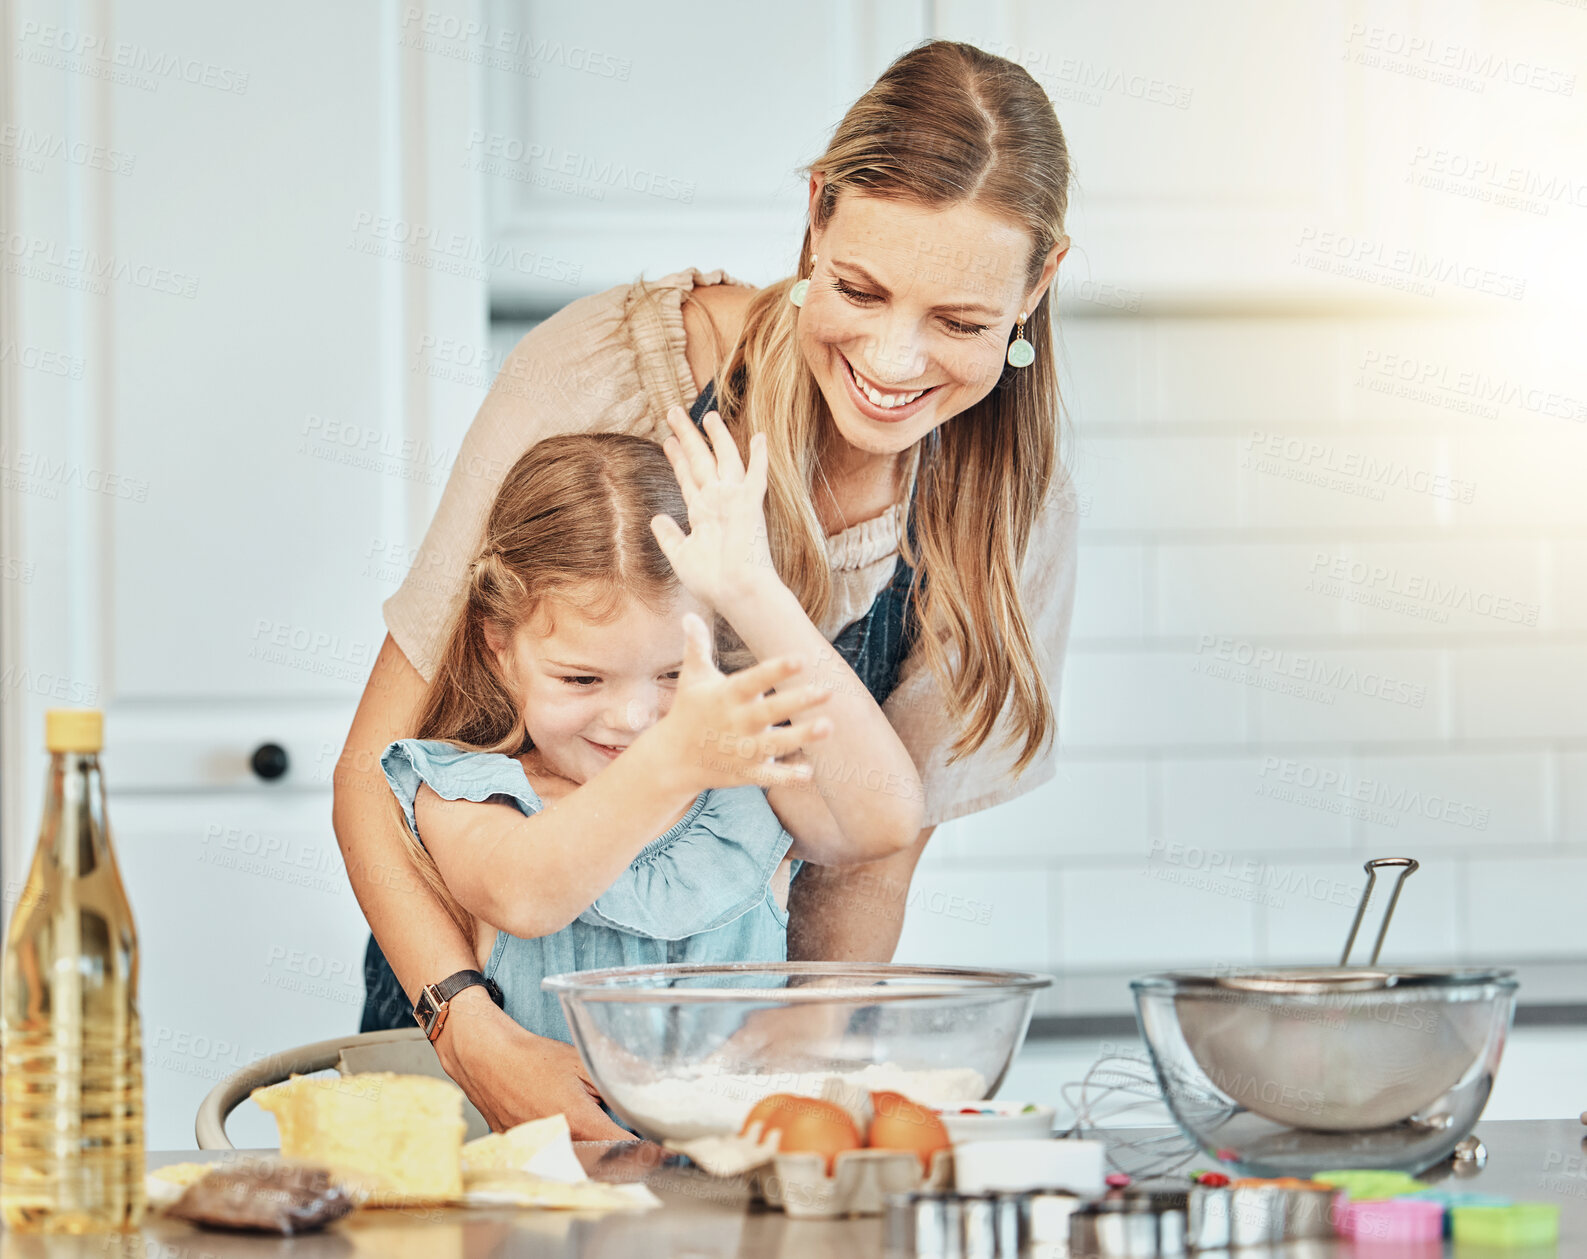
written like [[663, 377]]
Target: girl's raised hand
[[722, 728], [725, 554]]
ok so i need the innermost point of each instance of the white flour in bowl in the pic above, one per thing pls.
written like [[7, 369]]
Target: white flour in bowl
[[714, 1104]]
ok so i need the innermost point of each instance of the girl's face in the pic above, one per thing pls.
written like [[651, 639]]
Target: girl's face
[[586, 690], [909, 311]]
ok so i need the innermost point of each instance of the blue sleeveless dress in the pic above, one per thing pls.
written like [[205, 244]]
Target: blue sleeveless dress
[[875, 647], [698, 893]]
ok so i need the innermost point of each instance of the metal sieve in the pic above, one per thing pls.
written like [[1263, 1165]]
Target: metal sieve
[[1337, 1048]]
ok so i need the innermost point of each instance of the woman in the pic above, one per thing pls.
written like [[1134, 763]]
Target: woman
[[905, 382]]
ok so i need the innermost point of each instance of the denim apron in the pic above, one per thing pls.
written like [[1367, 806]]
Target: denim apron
[[875, 647]]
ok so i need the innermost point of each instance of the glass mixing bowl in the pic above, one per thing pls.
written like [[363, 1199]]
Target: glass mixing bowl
[[684, 1051], [1292, 1071]]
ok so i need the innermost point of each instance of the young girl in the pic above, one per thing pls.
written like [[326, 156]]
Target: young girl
[[586, 789]]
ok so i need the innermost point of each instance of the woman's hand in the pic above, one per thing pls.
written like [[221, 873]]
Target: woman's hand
[[722, 729], [513, 1076], [725, 557]]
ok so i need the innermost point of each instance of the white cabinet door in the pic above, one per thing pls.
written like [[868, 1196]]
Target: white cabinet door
[[227, 244], [630, 137]]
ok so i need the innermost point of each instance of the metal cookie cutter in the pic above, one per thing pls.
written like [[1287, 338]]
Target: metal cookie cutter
[[1141, 1226], [928, 1225]]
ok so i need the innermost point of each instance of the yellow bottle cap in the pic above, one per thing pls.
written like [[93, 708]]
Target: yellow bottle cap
[[74, 730]]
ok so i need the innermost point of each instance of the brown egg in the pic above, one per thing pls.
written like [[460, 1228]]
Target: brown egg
[[766, 1108], [807, 1125], [901, 1124]]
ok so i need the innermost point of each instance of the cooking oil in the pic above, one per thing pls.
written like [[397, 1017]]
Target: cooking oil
[[71, 1098]]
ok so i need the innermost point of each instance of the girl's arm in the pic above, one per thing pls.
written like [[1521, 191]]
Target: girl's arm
[[532, 876], [509, 1073], [868, 801]]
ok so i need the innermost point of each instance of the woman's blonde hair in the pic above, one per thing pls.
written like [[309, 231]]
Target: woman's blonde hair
[[946, 124], [570, 525]]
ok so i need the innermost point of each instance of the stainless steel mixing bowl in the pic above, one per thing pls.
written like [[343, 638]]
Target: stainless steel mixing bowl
[[1291, 1071], [683, 1051]]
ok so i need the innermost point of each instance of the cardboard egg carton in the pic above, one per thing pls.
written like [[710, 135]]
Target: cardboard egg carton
[[859, 1184], [799, 1183]]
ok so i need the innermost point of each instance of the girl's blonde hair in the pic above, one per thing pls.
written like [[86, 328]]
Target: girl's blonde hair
[[570, 525], [946, 124]]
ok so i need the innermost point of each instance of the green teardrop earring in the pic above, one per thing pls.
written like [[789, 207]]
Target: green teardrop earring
[[796, 294], [1021, 353]]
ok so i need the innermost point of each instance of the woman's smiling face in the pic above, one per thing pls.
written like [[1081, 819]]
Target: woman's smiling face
[[907, 319]]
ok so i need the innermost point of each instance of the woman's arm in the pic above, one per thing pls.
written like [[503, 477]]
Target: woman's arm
[[532, 876], [415, 932], [509, 1073], [853, 913]]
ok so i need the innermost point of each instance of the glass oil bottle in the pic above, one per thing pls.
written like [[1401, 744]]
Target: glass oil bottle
[[71, 1096]]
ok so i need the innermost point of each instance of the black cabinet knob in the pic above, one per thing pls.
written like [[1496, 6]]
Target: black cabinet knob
[[269, 761]]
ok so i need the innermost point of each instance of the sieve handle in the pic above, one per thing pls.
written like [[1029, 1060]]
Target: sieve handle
[[1407, 867]]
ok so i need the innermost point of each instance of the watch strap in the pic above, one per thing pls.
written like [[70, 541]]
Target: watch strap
[[430, 1010], [454, 984]]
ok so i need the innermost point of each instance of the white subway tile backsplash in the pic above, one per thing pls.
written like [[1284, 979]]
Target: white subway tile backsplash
[[1256, 804], [1571, 780], [1525, 475], [1152, 914], [1521, 692], [1119, 699], [1530, 908], [1109, 595], [1450, 802], [1158, 483], [1433, 588], [964, 917], [1102, 371], [1463, 373], [1242, 588], [1088, 808], [1307, 476], [1350, 695], [1247, 371], [1308, 917], [1327, 602], [1566, 601]]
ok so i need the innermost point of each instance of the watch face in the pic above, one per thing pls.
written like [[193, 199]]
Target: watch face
[[424, 1010]]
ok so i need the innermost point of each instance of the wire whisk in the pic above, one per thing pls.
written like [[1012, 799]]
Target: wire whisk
[[1118, 1099]]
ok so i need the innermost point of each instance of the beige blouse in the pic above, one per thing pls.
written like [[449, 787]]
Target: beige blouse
[[588, 369]]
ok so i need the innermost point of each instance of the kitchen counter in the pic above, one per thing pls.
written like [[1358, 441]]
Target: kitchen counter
[[709, 1219]]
